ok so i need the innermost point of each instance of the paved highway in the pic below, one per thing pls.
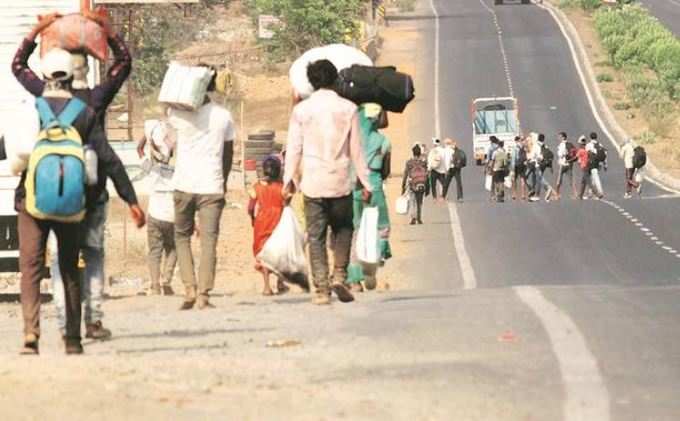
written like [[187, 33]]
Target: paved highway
[[667, 11], [608, 270]]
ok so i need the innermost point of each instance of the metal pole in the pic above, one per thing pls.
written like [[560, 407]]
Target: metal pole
[[130, 92]]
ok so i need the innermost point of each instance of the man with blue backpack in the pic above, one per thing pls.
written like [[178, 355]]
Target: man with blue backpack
[[53, 195], [109, 166]]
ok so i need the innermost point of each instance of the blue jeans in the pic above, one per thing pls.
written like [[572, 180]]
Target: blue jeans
[[92, 247]]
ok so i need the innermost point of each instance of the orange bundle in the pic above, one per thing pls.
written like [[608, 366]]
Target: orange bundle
[[75, 32]]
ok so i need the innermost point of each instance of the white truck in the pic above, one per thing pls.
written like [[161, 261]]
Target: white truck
[[17, 19], [493, 117]]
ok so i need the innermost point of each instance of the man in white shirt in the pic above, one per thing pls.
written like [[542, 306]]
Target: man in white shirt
[[593, 148], [199, 186], [566, 156], [439, 164]]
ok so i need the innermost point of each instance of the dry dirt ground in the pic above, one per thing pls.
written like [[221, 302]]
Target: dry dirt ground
[[664, 152], [253, 357]]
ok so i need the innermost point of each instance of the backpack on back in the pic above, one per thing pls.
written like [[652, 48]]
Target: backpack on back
[[639, 157], [521, 160], [548, 157], [600, 153], [459, 159], [571, 152], [417, 175], [55, 179]]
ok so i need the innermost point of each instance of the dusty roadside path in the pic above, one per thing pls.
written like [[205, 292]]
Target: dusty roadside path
[[250, 358]]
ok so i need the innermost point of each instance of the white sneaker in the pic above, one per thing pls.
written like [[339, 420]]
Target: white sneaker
[[534, 199], [627, 196]]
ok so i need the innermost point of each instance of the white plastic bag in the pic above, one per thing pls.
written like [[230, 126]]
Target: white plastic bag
[[368, 244], [508, 181], [342, 56], [284, 251], [488, 182], [401, 205], [639, 176], [184, 87]]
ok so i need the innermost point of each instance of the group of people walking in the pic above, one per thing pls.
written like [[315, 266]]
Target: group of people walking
[[336, 157], [522, 165]]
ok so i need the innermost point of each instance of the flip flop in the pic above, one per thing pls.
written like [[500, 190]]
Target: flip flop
[[344, 294], [30, 346]]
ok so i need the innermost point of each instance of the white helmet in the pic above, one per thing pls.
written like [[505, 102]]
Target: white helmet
[[57, 64]]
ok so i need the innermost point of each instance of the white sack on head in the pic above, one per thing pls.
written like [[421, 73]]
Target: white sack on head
[[342, 56]]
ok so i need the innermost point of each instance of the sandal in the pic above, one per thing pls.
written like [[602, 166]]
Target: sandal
[[30, 345]]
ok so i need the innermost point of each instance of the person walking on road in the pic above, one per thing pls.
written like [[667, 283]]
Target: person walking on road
[[566, 156], [416, 180], [519, 178], [597, 161], [632, 166], [544, 160], [583, 158], [99, 98], [500, 163], [161, 210], [458, 162], [325, 139], [439, 162], [199, 182], [265, 208], [378, 154]]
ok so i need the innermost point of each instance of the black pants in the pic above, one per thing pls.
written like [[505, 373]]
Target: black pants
[[456, 173], [443, 179], [498, 188], [416, 212], [336, 213]]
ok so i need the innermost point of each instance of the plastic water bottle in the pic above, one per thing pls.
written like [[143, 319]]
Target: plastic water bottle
[[90, 165]]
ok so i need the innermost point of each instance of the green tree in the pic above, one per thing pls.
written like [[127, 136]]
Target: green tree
[[309, 23]]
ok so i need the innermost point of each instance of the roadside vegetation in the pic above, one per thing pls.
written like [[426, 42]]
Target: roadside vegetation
[[638, 68], [308, 23]]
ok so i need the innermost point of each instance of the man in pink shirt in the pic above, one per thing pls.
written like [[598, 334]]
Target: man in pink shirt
[[324, 148]]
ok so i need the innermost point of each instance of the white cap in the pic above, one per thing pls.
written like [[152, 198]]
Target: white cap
[[57, 64]]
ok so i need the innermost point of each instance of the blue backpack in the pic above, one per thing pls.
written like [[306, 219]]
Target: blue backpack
[[55, 181]]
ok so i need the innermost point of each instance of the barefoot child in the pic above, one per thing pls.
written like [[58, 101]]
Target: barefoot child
[[265, 207]]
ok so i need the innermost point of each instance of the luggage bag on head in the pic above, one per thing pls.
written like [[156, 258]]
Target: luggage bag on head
[[383, 85]]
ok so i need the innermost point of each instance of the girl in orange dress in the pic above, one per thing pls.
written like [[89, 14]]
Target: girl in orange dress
[[265, 208]]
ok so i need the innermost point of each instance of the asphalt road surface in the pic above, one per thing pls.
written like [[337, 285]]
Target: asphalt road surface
[[610, 268], [667, 11]]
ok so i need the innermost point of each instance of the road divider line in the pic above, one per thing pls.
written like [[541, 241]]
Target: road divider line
[[587, 397], [499, 31], [437, 118], [466, 269], [467, 272]]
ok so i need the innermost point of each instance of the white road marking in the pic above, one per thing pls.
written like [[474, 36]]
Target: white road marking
[[499, 30], [437, 119], [586, 395], [466, 269]]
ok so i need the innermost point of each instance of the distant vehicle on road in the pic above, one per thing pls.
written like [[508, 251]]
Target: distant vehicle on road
[[493, 117], [497, 2]]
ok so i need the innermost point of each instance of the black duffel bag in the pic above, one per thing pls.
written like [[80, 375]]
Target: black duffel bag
[[383, 85]]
